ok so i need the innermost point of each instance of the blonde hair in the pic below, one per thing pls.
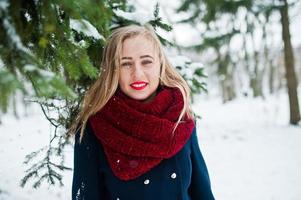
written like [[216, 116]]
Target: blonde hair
[[105, 86]]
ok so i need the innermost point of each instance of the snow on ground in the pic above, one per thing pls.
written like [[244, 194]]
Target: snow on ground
[[251, 151], [19, 138]]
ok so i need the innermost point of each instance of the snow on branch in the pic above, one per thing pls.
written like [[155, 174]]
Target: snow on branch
[[138, 16], [85, 27]]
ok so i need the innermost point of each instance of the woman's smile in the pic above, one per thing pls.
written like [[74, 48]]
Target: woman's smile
[[139, 85]]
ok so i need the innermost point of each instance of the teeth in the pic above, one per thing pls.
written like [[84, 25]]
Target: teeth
[[139, 85]]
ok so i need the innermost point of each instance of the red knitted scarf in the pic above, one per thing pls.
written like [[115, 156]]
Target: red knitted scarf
[[137, 136]]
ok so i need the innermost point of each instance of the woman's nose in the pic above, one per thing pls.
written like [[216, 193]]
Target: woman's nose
[[138, 72]]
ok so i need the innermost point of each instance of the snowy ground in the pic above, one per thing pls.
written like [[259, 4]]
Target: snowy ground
[[251, 152]]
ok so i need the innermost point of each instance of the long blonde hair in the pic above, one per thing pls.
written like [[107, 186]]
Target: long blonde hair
[[105, 86]]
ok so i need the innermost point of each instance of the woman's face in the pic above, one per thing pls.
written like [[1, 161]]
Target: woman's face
[[139, 68]]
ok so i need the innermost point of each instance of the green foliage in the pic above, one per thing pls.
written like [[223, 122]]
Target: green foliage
[[210, 10], [193, 73], [44, 169], [50, 54], [158, 23], [8, 84]]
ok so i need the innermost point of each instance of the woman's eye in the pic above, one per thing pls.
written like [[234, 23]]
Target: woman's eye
[[146, 62], [126, 64]]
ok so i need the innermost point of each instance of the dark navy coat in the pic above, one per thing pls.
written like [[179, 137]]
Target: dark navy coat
[[182, 177]]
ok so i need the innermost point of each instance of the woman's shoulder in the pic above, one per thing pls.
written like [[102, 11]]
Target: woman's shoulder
[[88, 135], [89, 142], [193, 135]]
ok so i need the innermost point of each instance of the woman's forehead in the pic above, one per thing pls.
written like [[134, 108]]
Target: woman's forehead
[[138, 47]]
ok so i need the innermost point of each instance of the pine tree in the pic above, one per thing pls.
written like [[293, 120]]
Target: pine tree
[[50, 53]]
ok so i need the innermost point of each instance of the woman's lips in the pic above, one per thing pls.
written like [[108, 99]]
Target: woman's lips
[[138, 85]]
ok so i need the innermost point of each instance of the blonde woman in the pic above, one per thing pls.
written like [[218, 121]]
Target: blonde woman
[[135, 138]]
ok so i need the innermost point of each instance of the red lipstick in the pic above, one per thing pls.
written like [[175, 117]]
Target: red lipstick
[[138, 85]]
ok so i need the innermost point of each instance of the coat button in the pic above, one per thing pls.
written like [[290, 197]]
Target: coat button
[[173, 175], [146, 182]]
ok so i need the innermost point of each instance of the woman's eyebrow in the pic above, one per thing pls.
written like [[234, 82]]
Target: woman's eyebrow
[[146, 56], [130, 58], [126, 58]]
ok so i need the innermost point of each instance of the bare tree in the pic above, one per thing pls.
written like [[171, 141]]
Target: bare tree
[[290, 74]]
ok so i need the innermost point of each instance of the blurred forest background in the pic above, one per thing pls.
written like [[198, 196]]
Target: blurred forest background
[[50, 52]]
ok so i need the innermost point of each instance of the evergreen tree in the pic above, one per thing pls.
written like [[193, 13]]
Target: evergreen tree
[[50, 52]]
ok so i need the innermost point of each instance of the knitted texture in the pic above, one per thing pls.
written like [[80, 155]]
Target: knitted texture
[[137, 136]]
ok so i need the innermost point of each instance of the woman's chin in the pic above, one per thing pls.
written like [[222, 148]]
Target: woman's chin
[[143, 97]]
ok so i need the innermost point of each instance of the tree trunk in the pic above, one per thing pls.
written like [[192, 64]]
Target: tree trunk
[[271, 77], [225, 76], [256, 73], [268, 63], [256, 77], [290, 74]]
